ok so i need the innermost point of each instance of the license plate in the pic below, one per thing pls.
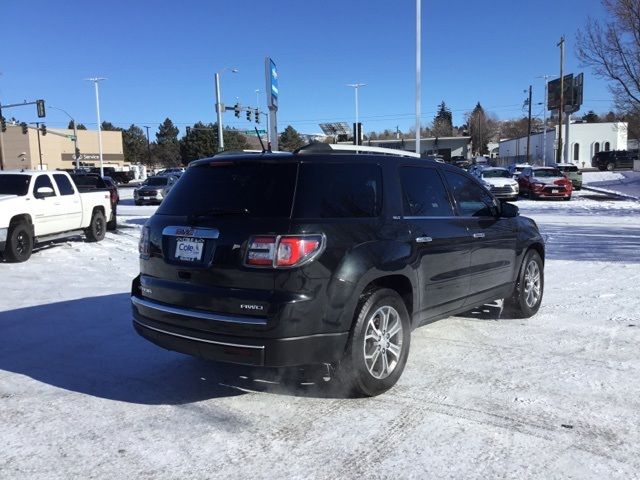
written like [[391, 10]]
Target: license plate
[[555, 190], [189, 249]]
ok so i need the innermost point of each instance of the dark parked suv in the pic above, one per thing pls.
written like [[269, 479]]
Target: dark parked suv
[[326, 258], [614, 160]]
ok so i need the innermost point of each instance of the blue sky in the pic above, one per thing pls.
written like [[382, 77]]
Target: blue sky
[[160, 58]]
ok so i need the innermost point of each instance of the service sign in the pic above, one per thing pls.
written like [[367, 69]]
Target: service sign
[[272, 83]]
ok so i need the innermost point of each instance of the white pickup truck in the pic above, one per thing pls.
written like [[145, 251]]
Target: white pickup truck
[[39, 206]]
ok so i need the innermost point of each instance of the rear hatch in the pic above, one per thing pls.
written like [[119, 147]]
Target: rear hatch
[[200, 234]]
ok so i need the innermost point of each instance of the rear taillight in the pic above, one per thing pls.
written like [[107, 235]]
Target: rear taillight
[[283, 251], [144, 243]]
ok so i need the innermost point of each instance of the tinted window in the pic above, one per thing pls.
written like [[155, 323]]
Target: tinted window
[[64, 185], [471, 198], [42, 181], [88, 182], [496, 174], [547, 173], [424, 194], [257, 189], [156, 181], [327, 190], [14, 184]]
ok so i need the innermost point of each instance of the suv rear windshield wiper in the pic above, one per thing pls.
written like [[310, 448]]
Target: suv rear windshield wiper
[[217, 211]]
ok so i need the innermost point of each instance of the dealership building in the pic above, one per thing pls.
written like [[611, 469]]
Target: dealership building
[[585, 140], [57, 149], [446, 147]]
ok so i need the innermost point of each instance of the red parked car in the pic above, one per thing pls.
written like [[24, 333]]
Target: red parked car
[[544, 182]]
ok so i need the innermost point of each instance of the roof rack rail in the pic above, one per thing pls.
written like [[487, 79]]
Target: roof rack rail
[[341, 149]]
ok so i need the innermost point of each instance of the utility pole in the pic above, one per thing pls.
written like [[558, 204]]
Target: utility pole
[[219, 106], [95, 81], [561, 106], [544, 116], [418, 74], [529, 128], [39, 147], [148, 148], [1, 144]]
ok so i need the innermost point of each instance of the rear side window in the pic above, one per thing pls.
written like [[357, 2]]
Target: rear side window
[[254, 189], [472, 199], [423, 193], [64, 185], [330, 190], [42, 181]]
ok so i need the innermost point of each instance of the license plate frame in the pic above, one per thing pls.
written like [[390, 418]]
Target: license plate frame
[[189, 249]]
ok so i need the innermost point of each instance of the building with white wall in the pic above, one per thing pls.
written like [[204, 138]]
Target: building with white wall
[[446, 147], [585, 140]]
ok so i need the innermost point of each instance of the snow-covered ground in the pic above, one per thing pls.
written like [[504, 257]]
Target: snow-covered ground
[[625, 183], [555, 396]]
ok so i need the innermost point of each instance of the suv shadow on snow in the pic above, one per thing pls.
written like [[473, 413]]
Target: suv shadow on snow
[[89, 346]]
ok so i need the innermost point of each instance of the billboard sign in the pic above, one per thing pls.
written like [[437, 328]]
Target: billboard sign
[[272, 83], [573, 93]]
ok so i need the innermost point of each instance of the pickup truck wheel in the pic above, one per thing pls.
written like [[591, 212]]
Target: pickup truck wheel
[[97, 227], [527, 295], [113, 223], [611, 166], [378, 347], [19, 243]]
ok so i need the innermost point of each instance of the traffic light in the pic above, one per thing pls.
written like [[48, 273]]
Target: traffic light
[[236, 110], [25, 128], [188, 129], [40, 105], [248, 114], [3, 124], [257, 114], [43, 129]]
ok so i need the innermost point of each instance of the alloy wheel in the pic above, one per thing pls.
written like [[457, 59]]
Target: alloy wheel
[[383, 342], [532, 284]]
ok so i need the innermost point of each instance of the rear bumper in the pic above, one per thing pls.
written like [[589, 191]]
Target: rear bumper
[[257, 351]]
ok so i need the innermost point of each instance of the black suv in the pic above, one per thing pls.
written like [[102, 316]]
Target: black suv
[[614, 160], [326, 258]]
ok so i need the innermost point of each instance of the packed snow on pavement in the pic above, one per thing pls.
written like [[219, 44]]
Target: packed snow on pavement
[[554, 396]]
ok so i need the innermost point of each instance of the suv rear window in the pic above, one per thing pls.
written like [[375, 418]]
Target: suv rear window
[[332, 190], [260, 189]]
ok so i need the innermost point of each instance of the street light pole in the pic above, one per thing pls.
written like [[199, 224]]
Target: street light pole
[[219, 107], [418, 72], [95, 81], [356, 130], [75, 136]]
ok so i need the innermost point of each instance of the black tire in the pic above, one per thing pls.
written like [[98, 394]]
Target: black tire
[[138, 202], [113, 223], [521, 304], [354, 374], [19, 243], [567, 198], [97, 227], [611, 166]]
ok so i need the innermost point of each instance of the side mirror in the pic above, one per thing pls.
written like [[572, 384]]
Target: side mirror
[[44, 192], [509, 210]]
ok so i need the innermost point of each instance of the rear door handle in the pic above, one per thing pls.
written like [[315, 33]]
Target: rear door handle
[[423, 239], [478, 235]]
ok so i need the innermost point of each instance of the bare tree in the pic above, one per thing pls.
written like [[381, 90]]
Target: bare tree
[[612, 50]]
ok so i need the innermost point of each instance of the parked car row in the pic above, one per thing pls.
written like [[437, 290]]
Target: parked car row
[[530, 181]]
